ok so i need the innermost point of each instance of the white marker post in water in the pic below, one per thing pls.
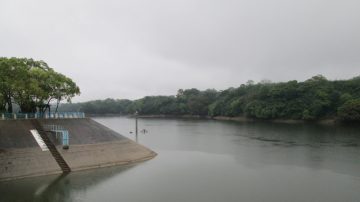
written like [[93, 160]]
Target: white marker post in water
[[136, 126]]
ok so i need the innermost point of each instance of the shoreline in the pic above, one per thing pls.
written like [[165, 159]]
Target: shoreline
[[329, 121], [325, 121]]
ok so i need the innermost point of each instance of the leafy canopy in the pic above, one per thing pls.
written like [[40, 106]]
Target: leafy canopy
[[32, 84]]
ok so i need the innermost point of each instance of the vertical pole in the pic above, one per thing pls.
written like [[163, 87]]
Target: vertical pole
[[14, 116], [136, 126], [3, 116], [26, 116]]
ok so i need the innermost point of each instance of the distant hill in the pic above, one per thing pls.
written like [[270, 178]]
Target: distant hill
[[313, 99]]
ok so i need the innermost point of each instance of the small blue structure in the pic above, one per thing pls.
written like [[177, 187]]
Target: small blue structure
[[61, 133], [65, 138]]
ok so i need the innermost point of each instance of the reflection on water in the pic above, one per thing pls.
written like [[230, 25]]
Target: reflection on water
[[203, 160], [64, 187]]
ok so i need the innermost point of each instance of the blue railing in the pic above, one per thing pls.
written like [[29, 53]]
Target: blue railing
[[59, 132], [53, 128], [52, 115]]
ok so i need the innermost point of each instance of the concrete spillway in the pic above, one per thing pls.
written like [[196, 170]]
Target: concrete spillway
[[92, 145]]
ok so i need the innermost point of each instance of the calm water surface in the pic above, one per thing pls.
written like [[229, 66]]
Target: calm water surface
[[204, 160]]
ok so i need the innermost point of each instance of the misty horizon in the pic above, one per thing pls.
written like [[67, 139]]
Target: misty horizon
[[132, 49]]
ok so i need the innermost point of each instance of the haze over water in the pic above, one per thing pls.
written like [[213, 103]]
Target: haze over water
[[204, 160], [157, 47]]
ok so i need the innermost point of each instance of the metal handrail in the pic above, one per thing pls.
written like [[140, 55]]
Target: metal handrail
[[65, 136], [51, 115]]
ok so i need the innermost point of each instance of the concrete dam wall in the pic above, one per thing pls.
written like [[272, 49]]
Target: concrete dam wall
[[91, 145]]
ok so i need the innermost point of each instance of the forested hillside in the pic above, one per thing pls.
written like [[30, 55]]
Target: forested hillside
[[312, 99]]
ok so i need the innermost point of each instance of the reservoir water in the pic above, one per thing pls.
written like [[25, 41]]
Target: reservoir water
[[206, 161]]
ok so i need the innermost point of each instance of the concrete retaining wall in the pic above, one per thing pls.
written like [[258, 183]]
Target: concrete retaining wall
[[27, 162], [80, 157], [92, 145]]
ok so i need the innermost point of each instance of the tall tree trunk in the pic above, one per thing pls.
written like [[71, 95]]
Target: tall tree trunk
[[7, 101], [2, 104], [57, 106], [10, 108], [3, 107]]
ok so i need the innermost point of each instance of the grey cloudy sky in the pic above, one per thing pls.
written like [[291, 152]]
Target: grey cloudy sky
[[133, 48]]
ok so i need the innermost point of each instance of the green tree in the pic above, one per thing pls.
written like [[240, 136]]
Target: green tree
[[32, 84], [350, 110], [13, 72]]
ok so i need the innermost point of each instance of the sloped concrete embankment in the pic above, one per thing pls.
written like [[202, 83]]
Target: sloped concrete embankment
[[92, 145]]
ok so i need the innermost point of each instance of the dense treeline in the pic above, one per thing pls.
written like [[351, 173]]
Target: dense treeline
[[313, 99]]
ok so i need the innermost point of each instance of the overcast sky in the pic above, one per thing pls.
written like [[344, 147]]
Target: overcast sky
[[130, 49]]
